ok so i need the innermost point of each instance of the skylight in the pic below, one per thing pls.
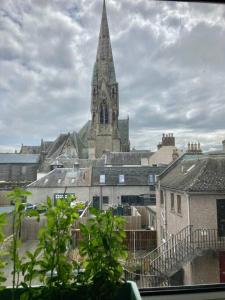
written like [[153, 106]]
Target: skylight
[[121, 178], [102, 179]]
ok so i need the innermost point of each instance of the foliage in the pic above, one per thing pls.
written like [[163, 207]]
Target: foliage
[[55, 239], [2, 264], [17, 197], [103, 246]]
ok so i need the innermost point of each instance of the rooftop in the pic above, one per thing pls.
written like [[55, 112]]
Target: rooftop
[[14, 158], [196, 173]]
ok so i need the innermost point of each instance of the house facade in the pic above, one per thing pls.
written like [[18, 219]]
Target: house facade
[[190, 218], [103, 186]]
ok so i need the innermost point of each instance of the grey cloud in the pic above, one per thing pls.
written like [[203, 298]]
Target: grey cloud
[[169, 61]]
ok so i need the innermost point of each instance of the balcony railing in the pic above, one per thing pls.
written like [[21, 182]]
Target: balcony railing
[[156, 268]]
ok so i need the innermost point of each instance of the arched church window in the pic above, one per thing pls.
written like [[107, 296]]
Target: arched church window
[[106, 115], [101, 115], [93, 117], [94, 92]]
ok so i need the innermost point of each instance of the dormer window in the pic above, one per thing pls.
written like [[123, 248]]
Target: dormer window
[[121, 179], [102, 179], [151, 179]]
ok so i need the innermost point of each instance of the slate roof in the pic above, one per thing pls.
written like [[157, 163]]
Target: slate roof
[[126, 158], [204, 173], [16, 158], [69, 177], [134, 176]]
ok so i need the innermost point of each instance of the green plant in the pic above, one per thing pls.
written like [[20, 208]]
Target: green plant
[[2, 264], [103, 247], [55, 239], [17, 196], [30, 271]]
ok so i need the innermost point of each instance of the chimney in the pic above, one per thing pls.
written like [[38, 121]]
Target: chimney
[[194, 148], [223, 142]]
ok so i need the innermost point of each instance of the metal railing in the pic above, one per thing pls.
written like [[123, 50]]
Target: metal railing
[[160, 264]]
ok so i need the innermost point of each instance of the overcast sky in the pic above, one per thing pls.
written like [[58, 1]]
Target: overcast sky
[[169, 60]]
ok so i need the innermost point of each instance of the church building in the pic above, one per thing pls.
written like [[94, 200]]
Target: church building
[[104, 132]]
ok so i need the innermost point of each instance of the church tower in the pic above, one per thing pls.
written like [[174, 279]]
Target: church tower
[[104, 132]]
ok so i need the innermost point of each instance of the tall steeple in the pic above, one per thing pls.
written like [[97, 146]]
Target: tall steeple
[[105, 99], [104, 66]]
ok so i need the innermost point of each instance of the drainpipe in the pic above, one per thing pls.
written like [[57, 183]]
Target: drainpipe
[[165, 216], [188, 203], [100, 197]]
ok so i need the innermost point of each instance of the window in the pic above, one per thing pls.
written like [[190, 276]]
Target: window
[[104, 116], [102, 179], [121, 179], [151, 179], [179, 204], [63, 196], [132, 200], [105, 200], [161, 197], [96, 202], [72, 180], [46, 180], [172, 201], [59, 180]]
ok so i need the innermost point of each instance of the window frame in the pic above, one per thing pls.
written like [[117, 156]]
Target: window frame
[[172, 198], [179, 206], [101, 181], [121, 176]]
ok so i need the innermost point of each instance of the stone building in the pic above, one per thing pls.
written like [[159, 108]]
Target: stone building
[[190, 218], [104, 186], [104, 132], [17, 169]]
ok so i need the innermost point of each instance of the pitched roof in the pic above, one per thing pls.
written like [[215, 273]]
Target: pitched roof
[[204, 173], [134, 176], [65, 177], [126, 158], [14, 158]]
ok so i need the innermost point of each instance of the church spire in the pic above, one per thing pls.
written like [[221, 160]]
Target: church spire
[[104, 66], [104, 130]]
